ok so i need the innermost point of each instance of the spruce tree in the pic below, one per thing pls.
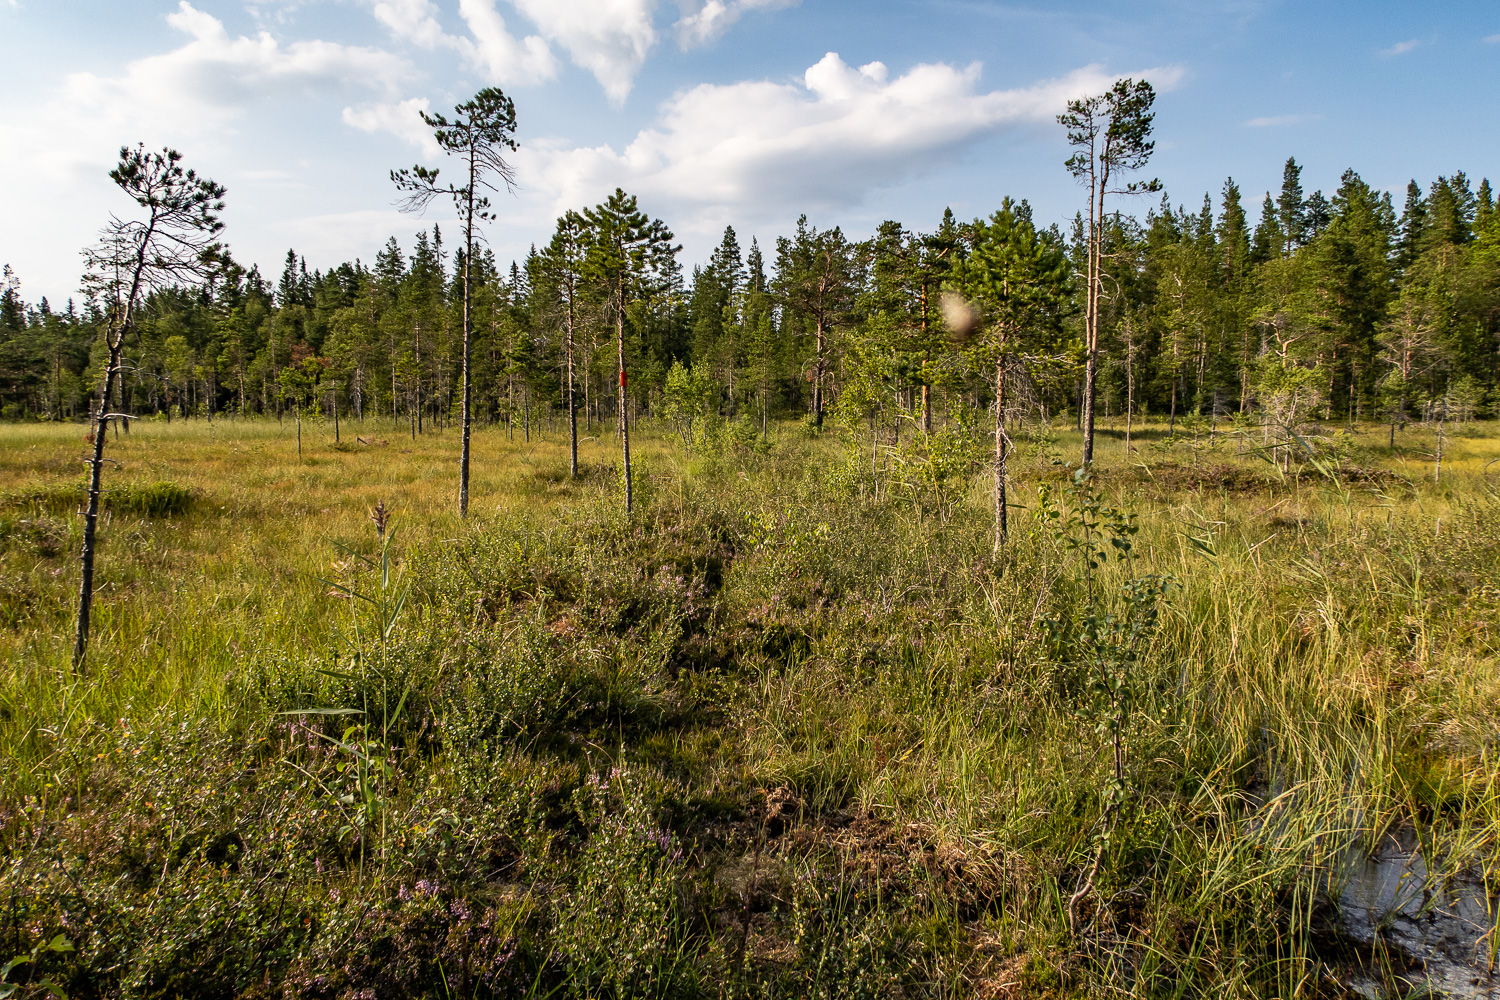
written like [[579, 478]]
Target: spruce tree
[[1290, 213]]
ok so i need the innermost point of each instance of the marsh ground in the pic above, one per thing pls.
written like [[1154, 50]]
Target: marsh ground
[[791, 729]]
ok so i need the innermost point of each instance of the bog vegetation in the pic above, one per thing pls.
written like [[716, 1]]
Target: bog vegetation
[[856, 680]]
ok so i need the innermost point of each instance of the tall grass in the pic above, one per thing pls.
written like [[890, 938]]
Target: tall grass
[[789, 730]]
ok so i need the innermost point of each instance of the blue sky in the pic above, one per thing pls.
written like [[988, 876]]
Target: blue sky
[[746, 112]]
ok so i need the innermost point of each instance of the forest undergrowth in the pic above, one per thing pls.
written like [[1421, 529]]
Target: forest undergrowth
[[791, 729]]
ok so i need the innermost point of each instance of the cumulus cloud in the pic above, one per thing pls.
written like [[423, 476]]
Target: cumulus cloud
[[414, 21], [823, 142], [402, 119], [1272, 121], [1401, 48], [491, 50], [274, 11], [197, 96], [1492, 39], [714, 17], [500, 55], [210, 80], [609, 38]]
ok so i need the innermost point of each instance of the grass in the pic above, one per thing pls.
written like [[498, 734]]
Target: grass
[[790, 730]]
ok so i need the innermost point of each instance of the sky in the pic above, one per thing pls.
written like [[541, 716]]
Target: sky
[[713, 112]]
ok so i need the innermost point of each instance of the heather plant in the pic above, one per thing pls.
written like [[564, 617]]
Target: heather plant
[[620, 929]]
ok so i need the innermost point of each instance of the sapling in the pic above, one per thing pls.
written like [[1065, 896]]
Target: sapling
[[1107, 635]]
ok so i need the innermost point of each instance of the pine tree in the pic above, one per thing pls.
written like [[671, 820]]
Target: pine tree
[[629, 257], [172, 243], [1110, 134], [816, 282], [561, 266], [480, 134], [1019, 278]]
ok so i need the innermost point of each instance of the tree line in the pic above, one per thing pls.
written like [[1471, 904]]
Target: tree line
[[1340, 305]]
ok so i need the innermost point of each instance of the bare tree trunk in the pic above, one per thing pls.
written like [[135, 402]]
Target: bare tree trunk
[[91, 513], [1001, 521], [624, 416], [572, 403], [1091, 315], [818, 378]]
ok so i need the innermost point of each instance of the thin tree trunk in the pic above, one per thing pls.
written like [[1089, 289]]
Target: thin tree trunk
[[1001, 521], [91, 514], [624, 417], [818, 379], [572, 403]]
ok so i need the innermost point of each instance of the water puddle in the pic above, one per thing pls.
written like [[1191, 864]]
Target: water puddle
[[1439, 928]]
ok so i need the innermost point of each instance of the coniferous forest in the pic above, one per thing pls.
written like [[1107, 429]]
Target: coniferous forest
[[989, 608], [1344, 305]]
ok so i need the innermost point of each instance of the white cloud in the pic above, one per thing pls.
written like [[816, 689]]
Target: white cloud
[[497, 53], [492, 50], [766, 148], [714, 17], [1401, 48], [402, 119], [274, 11], [609, 38], [1492, 39], [196, 97], [1272, 121], [412, 20], [210, 80]]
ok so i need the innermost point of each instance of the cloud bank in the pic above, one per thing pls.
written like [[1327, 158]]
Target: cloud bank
[[611, 39], [826, 141]]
